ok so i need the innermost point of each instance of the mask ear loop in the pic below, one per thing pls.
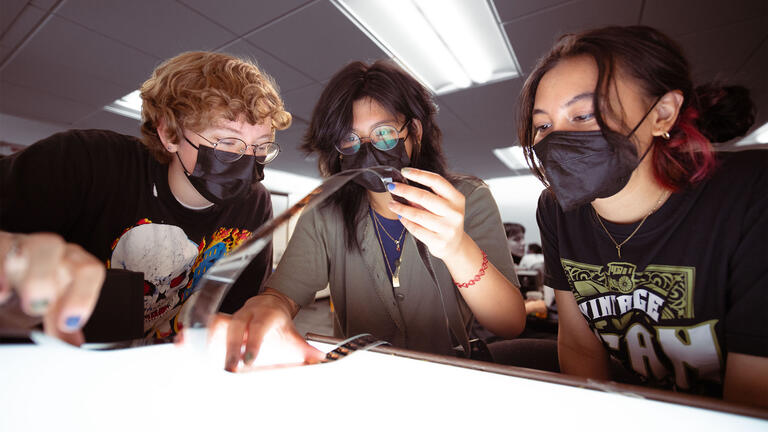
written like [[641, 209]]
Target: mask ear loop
[[638, 125]]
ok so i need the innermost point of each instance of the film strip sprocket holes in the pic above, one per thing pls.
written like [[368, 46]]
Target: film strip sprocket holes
[[361, 342]]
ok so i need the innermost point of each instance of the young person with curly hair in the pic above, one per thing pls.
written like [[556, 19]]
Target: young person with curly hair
[[167, 205]]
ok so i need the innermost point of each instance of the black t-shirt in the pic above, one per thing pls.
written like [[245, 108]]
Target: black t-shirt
[[691, 285], [105, 192]]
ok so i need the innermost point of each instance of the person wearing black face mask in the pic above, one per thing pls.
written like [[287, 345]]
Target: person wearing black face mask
[[368, 246], [167, 205], [655, 244]]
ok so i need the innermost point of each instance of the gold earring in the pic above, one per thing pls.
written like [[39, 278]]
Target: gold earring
[[665, 135]]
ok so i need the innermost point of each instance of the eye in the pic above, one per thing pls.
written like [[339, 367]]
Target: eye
[[542, 128], [584, 117]]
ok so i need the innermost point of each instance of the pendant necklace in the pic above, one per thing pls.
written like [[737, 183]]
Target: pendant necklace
[[619, 245]]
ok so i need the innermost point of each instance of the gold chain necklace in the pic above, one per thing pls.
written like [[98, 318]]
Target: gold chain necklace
[[378, 222], [619, 245], [396, 273]]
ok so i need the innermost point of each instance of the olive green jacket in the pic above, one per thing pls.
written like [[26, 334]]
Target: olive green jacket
[[364, 300]]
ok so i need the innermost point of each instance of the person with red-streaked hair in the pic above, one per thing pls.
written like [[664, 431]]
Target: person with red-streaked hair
[[655, 243]]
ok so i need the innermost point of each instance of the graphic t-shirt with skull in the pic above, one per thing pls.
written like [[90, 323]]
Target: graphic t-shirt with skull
[[104, 191]]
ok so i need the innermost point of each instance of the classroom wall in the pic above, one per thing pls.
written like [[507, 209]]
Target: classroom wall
[[517, 198]]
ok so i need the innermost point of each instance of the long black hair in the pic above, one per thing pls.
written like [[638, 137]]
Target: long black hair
[[710, 113], [399, 94]]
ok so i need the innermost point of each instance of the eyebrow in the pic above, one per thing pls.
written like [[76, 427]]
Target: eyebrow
[[585, 95], [377, 124], [573, 100], [237, 132]]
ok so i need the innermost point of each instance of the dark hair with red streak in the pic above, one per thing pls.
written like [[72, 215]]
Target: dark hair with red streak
[[710, 113]]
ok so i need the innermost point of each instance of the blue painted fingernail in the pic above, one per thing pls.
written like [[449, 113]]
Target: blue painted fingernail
[[391, 186], [248, 357], [72, 321], [399, 217]]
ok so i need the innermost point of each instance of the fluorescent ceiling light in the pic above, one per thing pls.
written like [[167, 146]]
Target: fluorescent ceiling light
[[446, 44], [758, 136], [512, 157], [128, 105]]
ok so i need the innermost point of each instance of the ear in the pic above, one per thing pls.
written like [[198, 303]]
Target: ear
[[162, 132], [666, 112], [417, 126]]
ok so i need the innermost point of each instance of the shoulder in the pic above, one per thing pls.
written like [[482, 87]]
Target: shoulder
[[548, 205], [466, 184], [96, 138], [738, 176], [747, 165]]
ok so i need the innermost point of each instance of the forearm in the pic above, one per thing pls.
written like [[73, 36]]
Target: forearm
[[495, 301], [587, 363], [746, 380]]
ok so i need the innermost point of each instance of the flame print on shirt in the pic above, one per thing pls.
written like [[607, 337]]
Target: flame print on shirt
[[172, 265], [646, 320]]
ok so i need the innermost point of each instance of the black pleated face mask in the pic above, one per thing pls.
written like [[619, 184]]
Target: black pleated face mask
[[222, 182], [369, 156], [582, 166]]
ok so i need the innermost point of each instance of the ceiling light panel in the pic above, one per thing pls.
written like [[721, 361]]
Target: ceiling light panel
[[447, 44]]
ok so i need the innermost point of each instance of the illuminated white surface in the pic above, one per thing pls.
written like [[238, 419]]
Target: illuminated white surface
[[517, 198], [163, 387], [446, 44], [758, 136], [512, 157], [128, 105], [286, 182]]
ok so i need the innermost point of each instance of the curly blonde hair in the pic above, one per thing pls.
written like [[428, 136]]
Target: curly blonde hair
[[194, 88]]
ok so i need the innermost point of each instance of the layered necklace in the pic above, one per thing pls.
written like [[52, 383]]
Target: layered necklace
[[380, 227], [663, 195]]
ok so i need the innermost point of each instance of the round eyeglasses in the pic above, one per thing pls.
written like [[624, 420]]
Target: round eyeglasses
[[384, 137], [229, 150]]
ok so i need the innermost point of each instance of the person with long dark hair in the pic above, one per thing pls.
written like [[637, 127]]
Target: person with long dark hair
[[364, 244], [656, 245]]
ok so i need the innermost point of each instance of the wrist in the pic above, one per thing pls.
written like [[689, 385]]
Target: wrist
[[274, 298]]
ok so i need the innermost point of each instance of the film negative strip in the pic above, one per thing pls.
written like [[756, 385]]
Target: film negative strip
[[361, 342]]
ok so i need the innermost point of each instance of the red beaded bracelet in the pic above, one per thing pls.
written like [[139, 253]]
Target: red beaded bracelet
[[478, 276]]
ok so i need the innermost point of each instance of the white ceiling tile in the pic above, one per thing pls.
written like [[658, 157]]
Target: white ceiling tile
[[512, 9], [9, 11], [319, 40], [718, 53], [33, 103], [287, 77], [301, 102], [160, 28], [292, 159], [101, 119], [62, 44], [43, 4], [242, 16], [487, 110], [17, 30], [66, 82], [680, 17], [532, 36]]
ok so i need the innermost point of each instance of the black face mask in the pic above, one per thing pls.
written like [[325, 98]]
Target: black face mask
[[583, 166], [369, 156], [219, 182]]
